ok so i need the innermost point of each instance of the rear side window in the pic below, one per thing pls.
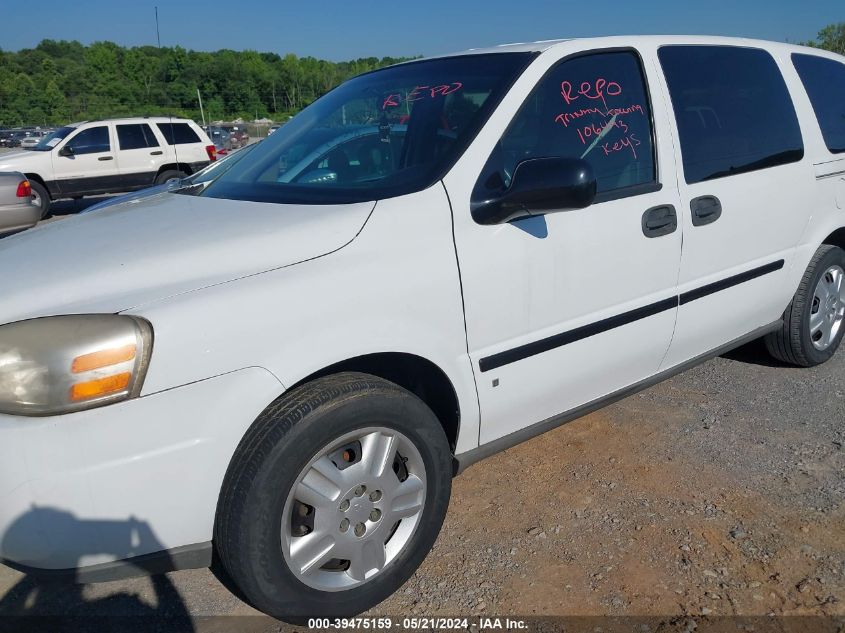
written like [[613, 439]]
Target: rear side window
[[178, 133], [594, 107], [824, 81], [94, 140], [135, 136], [733, 110]]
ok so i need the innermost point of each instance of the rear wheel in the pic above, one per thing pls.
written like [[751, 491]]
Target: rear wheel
[[170, 174], [333, 498], [40, 197], [813, 322]]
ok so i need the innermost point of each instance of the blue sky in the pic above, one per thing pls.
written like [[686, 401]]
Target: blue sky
[[338, 30]]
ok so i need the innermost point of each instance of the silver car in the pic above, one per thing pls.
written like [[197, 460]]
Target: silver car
[[17, 212]]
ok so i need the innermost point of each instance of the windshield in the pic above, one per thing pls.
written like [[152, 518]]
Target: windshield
[[51, 140], [379, 135]]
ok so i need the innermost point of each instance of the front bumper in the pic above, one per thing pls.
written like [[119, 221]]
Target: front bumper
[[124, 481]]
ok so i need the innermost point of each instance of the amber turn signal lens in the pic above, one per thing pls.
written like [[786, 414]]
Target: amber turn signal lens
[[103, 358], [100, 387]]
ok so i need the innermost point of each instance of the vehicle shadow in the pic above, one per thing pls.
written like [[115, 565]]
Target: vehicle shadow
[[46, 603], [754, 353], [72, 207]]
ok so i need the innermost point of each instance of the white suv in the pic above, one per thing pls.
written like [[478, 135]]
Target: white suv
[[287, 363], [110, 156]]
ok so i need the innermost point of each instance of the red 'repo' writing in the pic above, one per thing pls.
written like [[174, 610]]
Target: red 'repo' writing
[[419, 93], [595, 90]]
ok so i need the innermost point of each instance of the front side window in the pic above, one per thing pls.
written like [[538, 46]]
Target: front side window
[[135, 136], [379, 135], [733, 110], [593, 107], [94, 140], [824, 81]]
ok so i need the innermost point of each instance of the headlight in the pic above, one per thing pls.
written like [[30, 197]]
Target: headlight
[[61, 364]]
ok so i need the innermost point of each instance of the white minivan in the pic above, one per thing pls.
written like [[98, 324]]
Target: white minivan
[[279, 370], [110, 156]]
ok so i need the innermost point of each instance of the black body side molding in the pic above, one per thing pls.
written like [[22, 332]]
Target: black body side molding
[[564, 338]]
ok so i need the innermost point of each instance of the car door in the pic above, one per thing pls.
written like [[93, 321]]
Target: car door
[[85, 162], [745, 192], [141, 154], [566, 308]]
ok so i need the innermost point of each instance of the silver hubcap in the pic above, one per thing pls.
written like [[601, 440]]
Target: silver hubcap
[[36, 199], [828, 309], [353, 509]]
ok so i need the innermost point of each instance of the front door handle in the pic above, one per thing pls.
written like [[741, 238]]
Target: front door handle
[[106, 158], [705, 209], [660, 220], [158, 153]]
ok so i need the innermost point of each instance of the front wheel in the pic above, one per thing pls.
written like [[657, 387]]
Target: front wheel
[[334, 497], [813, 322]]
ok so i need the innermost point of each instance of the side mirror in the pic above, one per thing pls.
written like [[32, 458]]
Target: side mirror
[[67, 150], [539, 186]]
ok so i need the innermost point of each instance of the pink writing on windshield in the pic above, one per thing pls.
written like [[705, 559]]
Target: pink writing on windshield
[[421, 92]]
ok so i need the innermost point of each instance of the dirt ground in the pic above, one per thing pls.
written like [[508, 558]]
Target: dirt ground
[[719, 492]]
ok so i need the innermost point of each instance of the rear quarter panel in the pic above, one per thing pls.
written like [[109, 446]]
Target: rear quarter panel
[[826, 208]]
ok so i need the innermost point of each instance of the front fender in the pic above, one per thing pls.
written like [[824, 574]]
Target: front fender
[[395, 288]]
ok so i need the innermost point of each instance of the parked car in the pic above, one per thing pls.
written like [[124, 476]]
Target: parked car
[[284, 372], [31, 139], [221, 138], [12, 138], [238, 136], [111, 156], [17, 212]]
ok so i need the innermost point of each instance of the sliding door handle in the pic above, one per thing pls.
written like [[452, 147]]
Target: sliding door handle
[[705, 209], [106, 158], [660, 220]]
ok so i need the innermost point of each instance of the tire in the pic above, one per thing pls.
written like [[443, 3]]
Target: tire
[[170, 174], [261, 518], [800, 341], [42, 196]]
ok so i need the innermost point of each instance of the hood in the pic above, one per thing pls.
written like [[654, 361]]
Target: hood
[[11, 161], [168, 244]]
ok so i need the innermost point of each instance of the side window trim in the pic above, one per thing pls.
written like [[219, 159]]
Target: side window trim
[[621, 192]]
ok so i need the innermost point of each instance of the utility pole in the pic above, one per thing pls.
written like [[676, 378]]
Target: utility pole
[[158, 37], [202, 112]]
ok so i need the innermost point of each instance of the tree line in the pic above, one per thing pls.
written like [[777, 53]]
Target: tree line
[[61, 81]]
